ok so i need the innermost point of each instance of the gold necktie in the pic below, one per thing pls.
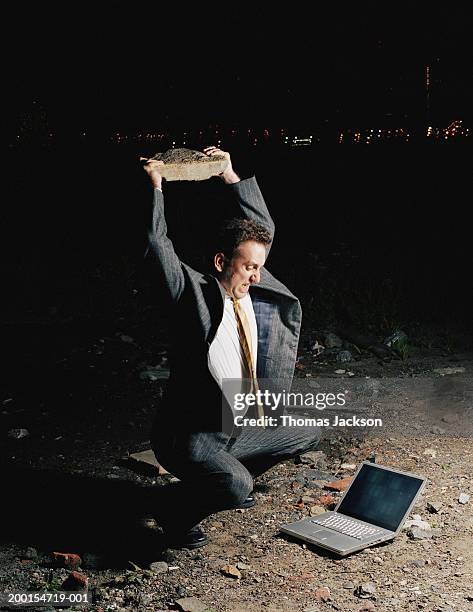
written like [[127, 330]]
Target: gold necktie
[[244, 333]]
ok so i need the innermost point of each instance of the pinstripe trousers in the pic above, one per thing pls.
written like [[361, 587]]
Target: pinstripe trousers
[[216, 473]]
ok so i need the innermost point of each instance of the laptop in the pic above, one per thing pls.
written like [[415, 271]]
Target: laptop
[[372, 510]]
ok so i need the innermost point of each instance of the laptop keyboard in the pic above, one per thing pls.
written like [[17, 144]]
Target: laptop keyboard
[[347, 526]]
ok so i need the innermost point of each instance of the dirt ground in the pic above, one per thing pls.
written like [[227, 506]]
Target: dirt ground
[[69, 488]]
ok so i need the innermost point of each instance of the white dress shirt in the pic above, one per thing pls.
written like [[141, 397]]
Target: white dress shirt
[[225, 357]]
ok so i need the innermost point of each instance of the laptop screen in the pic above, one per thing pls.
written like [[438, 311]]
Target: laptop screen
[[379, 496]]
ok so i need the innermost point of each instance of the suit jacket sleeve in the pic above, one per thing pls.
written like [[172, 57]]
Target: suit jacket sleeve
[[251, 203], [161, 250]]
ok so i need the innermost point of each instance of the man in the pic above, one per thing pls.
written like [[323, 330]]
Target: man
[[237, 322]]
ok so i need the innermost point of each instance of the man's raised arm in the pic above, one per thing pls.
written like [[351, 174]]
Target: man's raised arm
[[249, 198], [160, 247]]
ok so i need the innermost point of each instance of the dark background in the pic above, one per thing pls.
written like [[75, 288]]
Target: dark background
[[367, 235], [119, 65]]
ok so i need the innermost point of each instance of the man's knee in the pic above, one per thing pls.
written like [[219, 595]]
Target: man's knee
[[236, 487], [308, 439], [312, 437]]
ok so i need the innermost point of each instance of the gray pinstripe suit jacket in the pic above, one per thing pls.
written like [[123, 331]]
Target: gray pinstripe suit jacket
[[193, 398]]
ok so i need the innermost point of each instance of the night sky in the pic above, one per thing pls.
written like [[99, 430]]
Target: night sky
[[123, 65], [127, 67]]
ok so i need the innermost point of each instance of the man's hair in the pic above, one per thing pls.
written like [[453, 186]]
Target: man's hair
[[235, 231]]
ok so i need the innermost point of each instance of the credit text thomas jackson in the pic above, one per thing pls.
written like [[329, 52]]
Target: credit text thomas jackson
[[288, 420]]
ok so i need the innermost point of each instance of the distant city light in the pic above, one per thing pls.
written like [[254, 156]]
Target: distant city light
[[454, 131]]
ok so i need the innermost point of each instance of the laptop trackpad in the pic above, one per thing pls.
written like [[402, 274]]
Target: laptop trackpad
[[323, 534]]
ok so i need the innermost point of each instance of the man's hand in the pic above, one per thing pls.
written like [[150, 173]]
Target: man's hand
[[151, 167], [229, 175]]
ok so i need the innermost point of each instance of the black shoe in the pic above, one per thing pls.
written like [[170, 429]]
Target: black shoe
[[194, 538], [249, 502]]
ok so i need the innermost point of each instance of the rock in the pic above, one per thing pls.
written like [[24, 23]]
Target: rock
[[437, 430], [231, 571], [430, 452], [348, 466], [339, 485], [326, 500], [315, 475], [243, 566], [18, 434], [316, 484], [416, 533], [306, 499], [448, 371], [127, 339], [416, 521], [313, 457], [366, 590], [156, 373], [340, 371], [191, 604], [189, 165], [396, 339], [70, 560], [344, 357], [30, 553], [367, 607], [75, 582], [434, 507], [148, 457], [159, 567], [464, 498], [322, 594], [348, 584], [316, 510], [317, 348]]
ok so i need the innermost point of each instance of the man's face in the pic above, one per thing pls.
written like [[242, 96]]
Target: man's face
[[237, 274]]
